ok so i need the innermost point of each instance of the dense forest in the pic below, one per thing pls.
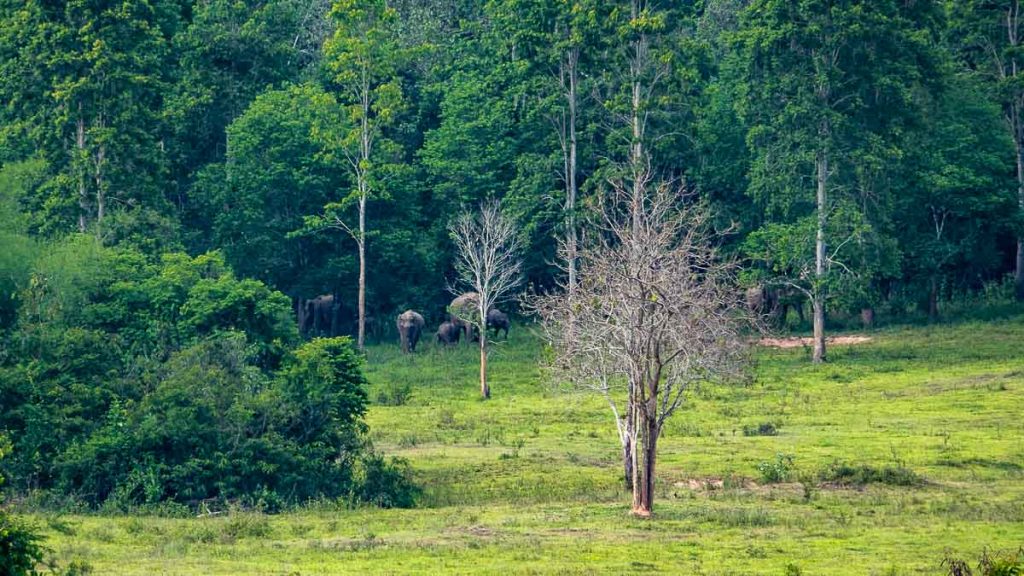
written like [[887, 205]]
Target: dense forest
[[180, 179]]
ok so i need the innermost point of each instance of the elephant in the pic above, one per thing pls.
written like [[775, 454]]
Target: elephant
[[757, 299], [499, 321], [775, 302], [410, 326], [461, 310], [318, 316], [448, 333]]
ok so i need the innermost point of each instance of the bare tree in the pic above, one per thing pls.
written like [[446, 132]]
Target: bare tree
[[487, 262], [656, 312]]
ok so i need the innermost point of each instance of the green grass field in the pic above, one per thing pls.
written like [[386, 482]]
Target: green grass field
[[528, 482]]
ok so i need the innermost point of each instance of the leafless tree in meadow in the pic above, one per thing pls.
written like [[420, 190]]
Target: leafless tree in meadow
[[656, 312], [487, 260]]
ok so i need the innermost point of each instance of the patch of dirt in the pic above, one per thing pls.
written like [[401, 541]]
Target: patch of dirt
[[714, 483], [794, 342], [711, 484]]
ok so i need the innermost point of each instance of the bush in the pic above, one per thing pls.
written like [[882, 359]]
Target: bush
[[215, 427], [395, 395], [775, 471], [141, 381], [999, 563], [863, 475], [385, 483], [20, 549], [763, 429]]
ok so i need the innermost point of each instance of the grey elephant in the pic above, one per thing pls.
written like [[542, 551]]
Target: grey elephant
[[498, 321], [318, 316], [410, 326], [774, 303], [462, 310], [758, 299], [448, 334]]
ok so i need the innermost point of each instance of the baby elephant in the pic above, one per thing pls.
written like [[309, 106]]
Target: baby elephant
[[498, 320], [410, 326], [448, 333]]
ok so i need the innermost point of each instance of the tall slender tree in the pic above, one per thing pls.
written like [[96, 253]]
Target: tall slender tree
[[364, 55]]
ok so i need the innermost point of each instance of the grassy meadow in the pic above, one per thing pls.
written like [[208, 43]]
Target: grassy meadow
[[882, 461]]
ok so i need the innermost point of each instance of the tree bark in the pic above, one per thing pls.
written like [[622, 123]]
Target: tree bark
[[364, 192], [867, 317], [101, 201], [485, 389], [1018, 274], [1017, 127], [83, 206], [571, 240], [819, 259], [360, 343], [933, 299], [629, 446], [643, 494]]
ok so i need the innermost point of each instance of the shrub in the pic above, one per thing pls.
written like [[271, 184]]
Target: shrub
[[385, 483], [778, 470], [395, 395], [20, 549], [763, 429], [215, 427], [1000, 563], [862, 475]]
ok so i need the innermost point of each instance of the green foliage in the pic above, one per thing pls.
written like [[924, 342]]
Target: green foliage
[[991, 563], [277, 173], [19, 249], [762, 429], [215, 427], [385, 483], [20, 547], [20, 550], [778, 470], [862, 475], [138, 382]]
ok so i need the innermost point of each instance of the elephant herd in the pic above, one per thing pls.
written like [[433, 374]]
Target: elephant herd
[[410, 324]]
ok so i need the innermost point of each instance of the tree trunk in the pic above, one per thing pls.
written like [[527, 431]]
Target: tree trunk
[[634, 449], [819, 259], [570, 240], [867, 317], [364, 193], [627, 462], [101, 201], [643, 495], [1018, 275], [629, 446], [933, 299], [360, 343], [485, 389], [83, 206]]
